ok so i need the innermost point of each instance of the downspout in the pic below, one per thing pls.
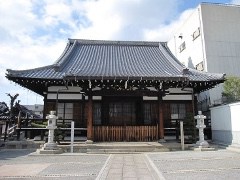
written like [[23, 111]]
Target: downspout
[[202, 40]]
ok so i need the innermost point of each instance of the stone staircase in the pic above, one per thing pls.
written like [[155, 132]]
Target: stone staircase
[[124, 149], [116, 147], [102, 147]]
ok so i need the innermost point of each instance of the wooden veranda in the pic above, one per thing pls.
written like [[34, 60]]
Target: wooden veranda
[[125, 133]]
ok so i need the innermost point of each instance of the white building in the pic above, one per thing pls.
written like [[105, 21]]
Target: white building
[[36, 109], [209, 40]]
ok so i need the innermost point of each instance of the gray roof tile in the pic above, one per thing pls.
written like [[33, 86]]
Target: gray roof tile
[[96, 59]]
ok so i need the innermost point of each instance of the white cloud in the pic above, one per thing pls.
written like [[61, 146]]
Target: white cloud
[[124, 19], [19, 47], [235, 2], [34, 33], [16, 18], [165, 32]]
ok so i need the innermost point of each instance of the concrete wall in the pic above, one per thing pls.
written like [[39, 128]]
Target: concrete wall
[[221, 35], [226, 124], [221, 40], [217, 47], [193, 53]]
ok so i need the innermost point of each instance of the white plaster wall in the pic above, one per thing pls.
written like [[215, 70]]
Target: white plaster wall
[[235, 110], [64, 89], [180, 91], [221, 118], [177, 97], [226, 123], [65, 96]]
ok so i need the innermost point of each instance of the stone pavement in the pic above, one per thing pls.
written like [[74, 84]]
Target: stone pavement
[[24, 164], [128, 166]]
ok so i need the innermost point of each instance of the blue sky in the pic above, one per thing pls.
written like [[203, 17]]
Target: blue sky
[[34, 33]]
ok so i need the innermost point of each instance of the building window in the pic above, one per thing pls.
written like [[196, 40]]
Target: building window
[[97, 115], [150, 113], [196, 34], [122, 113], [178, 111], [64, 113], [200, 66], [182, 47]]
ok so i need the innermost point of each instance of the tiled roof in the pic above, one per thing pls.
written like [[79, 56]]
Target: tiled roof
[[96, 59]]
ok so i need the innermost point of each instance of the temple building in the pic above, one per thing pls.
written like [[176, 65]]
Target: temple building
[[118, 90]]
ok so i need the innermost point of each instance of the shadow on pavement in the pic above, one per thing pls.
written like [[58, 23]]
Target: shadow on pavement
[[9, 154]]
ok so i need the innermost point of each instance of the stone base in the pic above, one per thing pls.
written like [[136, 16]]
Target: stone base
[[50, 146], [161, 141], [202, 148], [44, 151], [203, 144], [89, 142]]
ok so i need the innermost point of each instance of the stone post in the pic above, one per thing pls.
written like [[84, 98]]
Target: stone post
[[200, 125]]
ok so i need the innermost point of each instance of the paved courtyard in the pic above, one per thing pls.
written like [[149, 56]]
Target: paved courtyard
[[25, 164]]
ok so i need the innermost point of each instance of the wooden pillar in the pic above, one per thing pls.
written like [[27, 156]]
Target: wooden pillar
[[194, 110], [45, 105], [90, 119], [45, 108], [160, 119], [83, 122], [19, 125]]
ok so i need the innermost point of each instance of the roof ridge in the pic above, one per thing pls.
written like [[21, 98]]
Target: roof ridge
[[172, 59], [114, 42], [62, 60]]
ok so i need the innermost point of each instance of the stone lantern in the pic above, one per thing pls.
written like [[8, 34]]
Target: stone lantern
[[200, 125], [51, 146]]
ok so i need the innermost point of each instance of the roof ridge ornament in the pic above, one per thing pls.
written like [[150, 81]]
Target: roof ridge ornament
[[62, 60], [185, 70], [90, 84]]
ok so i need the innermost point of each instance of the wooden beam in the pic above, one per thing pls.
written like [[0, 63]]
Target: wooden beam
[[83, 108], [125, 93], [45, 105]]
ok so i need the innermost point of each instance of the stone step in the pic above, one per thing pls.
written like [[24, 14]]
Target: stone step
[[124, 151], [235, 148], [115, 148]]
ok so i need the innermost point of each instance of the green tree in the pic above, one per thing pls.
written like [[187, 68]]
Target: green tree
[[231, 89], [189, 127]]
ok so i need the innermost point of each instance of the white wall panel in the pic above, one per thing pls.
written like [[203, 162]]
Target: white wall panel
[[64, 96], [177, 97], [63, 89]]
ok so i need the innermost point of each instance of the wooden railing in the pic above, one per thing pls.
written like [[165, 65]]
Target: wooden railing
[[125, 133]]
